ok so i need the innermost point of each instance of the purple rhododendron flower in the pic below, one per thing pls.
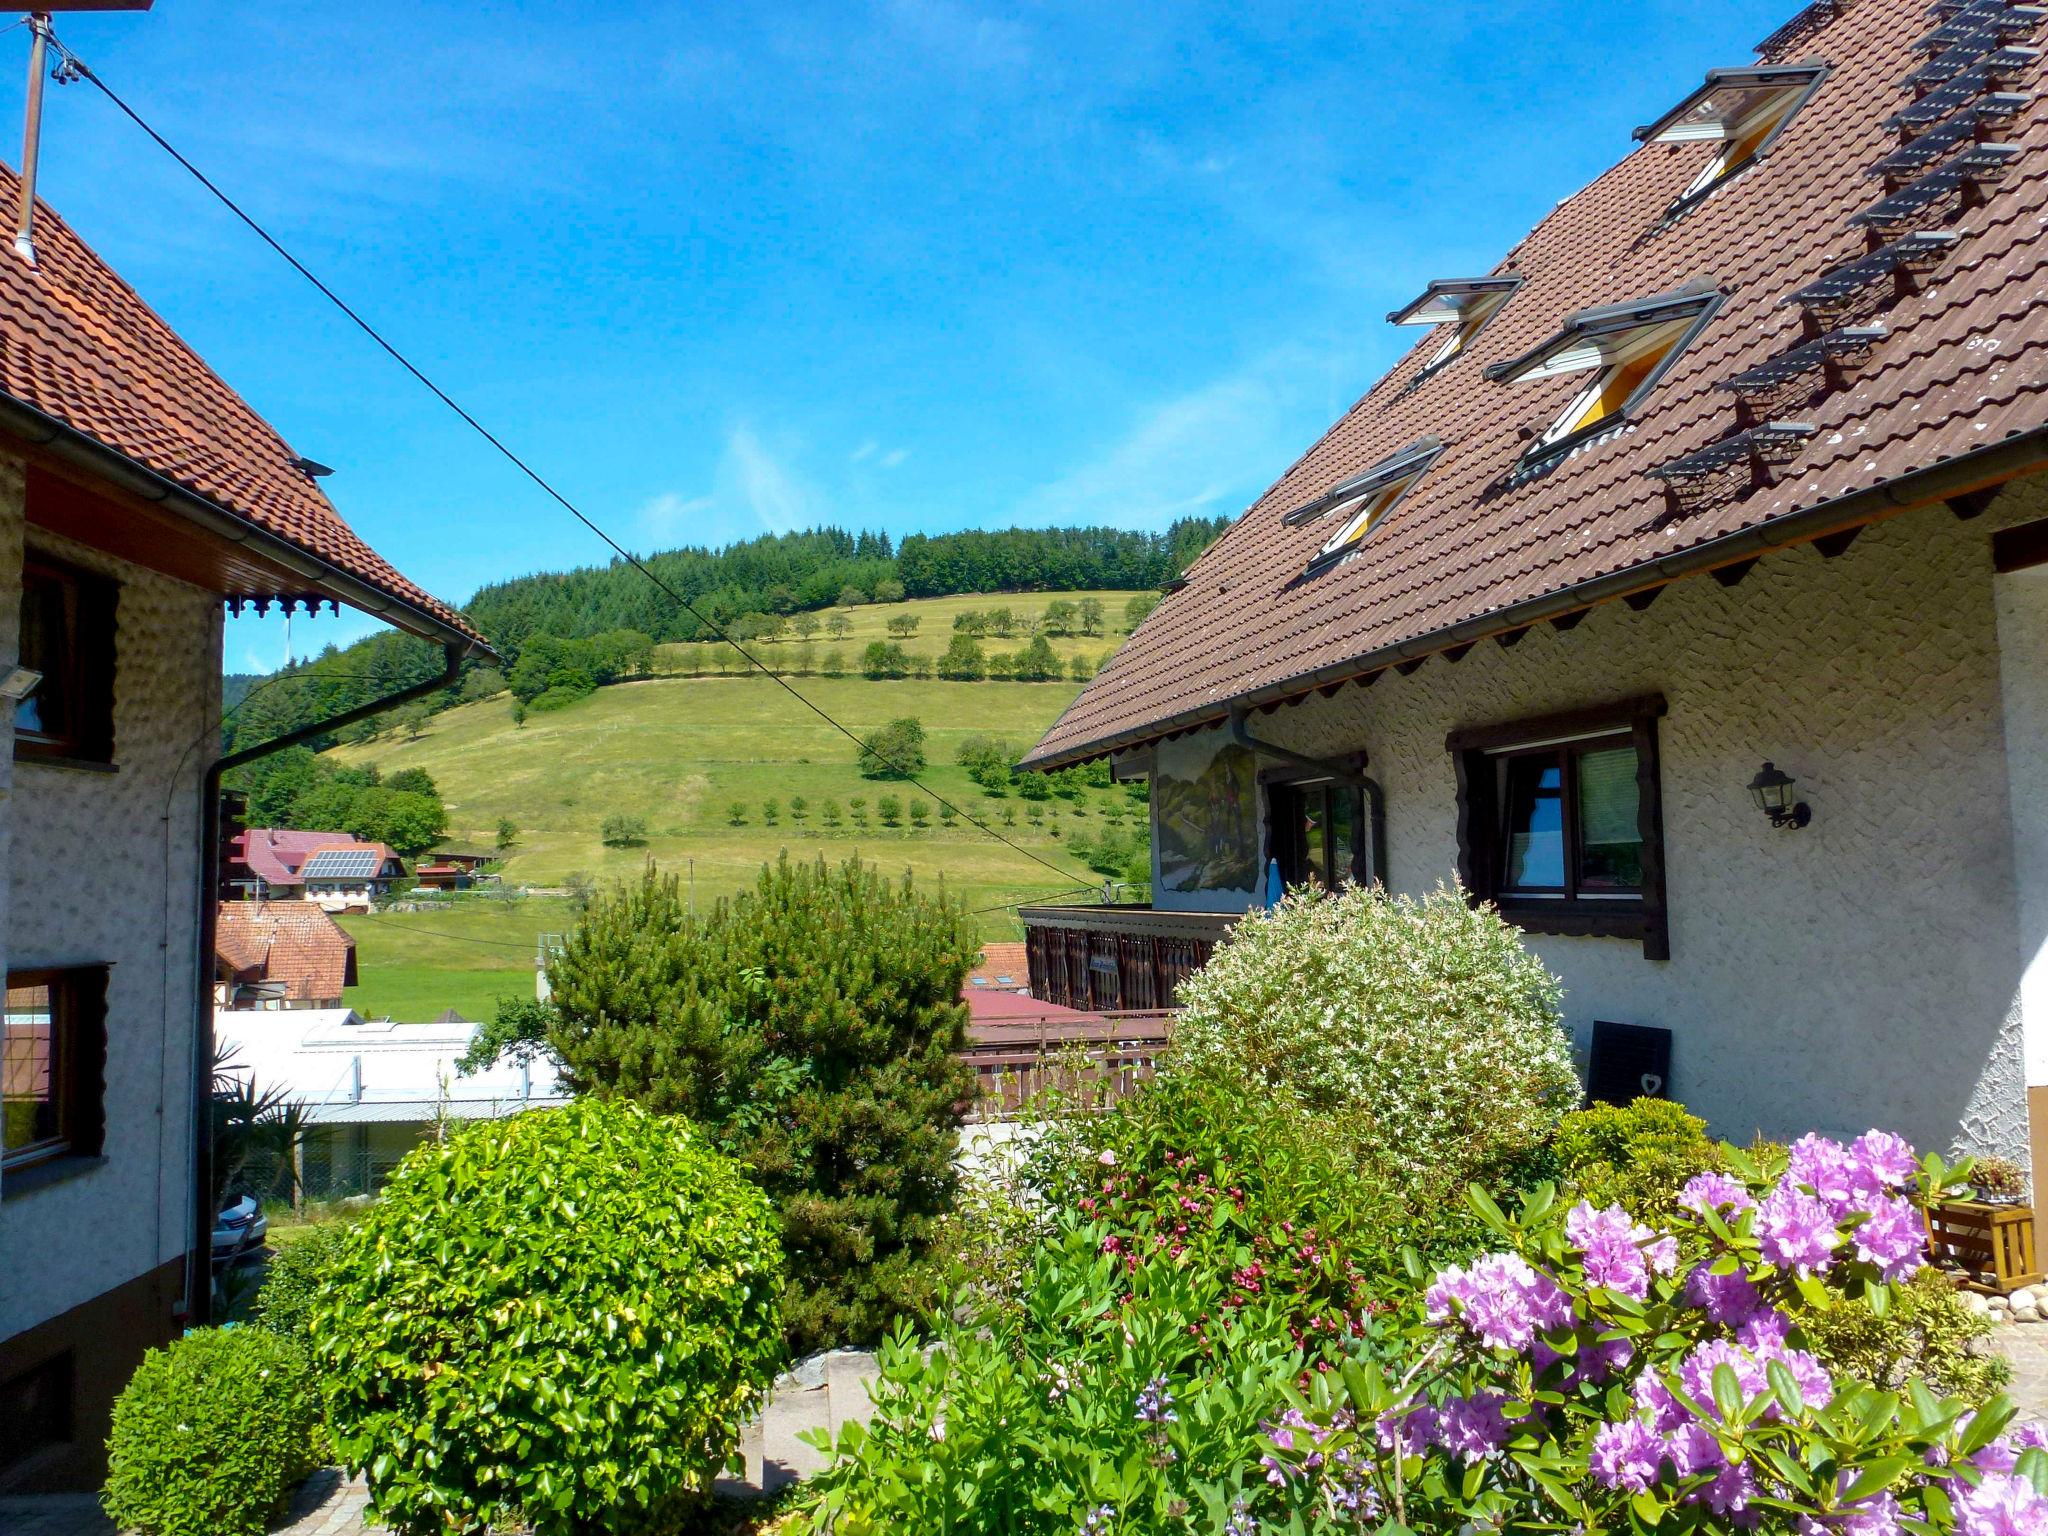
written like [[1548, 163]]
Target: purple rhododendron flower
[[1627, 1455], [1894, 1239], [1730, 1491], [1716, 1191], [1501, 1299], [1826, 1167], [1796, 1230], [1409, 1433], [2000, 1505], [1472, 1427], [2003, 1454], [1890, 1158], [1876, 1514], [1693, 1449], [1729, 1298], [1619, 1253]]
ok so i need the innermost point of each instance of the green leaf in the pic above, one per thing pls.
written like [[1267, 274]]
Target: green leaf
[[2033, 1466], [1785, 1387], [1727, 1393]]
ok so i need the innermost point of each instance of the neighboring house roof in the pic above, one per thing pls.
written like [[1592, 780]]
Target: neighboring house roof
[[348, 860], [1480, 544], [1002, 968], [81, 348], [288, 942], [274, 854]]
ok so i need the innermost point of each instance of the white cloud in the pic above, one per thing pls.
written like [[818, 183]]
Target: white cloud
[[867, 450], [767, 486], [666, 518], [754, 487], [894, 457], [1208, 451]]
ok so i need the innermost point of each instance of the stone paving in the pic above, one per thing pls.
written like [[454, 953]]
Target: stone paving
[[2026, 1346], [823, 1392]]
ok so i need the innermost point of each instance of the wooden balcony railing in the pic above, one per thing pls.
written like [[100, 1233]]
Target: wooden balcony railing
[[1089, 1059], [1119, 958]]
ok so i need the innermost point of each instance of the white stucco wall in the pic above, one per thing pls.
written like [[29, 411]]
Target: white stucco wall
[[104, 868], [1861, 971]]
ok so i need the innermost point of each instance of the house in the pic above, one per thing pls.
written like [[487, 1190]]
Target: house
[[1683, 591], [138, 496], [1000, 968], [280, 955], [271, 861], [373, 1090], [443, 877], [350, 876]]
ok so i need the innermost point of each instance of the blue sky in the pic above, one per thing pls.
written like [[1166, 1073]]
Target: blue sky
[[912, 264]]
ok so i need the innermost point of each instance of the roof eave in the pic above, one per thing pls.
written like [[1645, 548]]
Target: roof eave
[[2019, 454], [84, 451]]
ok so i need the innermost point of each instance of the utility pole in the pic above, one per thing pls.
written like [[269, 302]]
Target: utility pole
[[40, 35]]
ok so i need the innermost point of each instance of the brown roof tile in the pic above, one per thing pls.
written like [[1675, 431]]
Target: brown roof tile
[[1964, 367], [78, 344], [293, 942]]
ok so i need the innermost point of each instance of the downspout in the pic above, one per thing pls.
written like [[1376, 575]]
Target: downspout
[[1375, 798], [199, 1262]]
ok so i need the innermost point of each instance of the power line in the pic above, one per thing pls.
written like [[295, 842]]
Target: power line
[[71, 67]]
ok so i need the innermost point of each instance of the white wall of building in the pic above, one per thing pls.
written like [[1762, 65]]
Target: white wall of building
[[1864, 970], [103, 868]]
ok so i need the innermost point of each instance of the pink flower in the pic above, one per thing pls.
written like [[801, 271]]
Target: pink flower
[[1409, 1433], [2000, 1505], [1616, 1257], [1472, 1427], [1796, 1230], [1716, 1191], [1500, 1299], [1893, 1238], [1693, 1449], [1106, 1157], [2003, 1454], [1627, 1455], [1729, 1298], [1890, 1159], [1826, 1167]]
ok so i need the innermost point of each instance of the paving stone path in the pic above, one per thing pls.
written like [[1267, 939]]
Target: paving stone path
[[821, 1393], [2026, 1346]]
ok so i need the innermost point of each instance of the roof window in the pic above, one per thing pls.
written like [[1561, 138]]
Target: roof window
[[1626, 347], [1360, 502], [1461, 305], [1741, 111]]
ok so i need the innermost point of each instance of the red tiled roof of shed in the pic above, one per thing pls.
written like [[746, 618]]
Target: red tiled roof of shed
[[1963, 369], [292, 942], [80, 346]]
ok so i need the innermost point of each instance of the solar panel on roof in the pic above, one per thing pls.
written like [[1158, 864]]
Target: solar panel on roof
[[342, 864]]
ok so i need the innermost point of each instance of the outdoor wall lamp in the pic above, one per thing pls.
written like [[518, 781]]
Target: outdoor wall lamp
[[1772, 791]]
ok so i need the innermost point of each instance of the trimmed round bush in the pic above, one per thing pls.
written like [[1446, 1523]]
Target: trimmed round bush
[[291, 1280], [1637, 1155], [1422, 1025], [558, 1320], [211, 1435]]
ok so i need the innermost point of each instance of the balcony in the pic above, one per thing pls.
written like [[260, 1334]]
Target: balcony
[[1116, 958]]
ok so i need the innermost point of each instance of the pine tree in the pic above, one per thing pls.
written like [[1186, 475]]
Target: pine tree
[[811, 1025]]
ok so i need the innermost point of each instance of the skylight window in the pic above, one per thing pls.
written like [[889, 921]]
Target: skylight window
[[1357, 505], [1741, 111], [1626, 347], [1462, 306]]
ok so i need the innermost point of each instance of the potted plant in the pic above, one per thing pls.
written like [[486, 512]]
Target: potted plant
[[1998, 1181]]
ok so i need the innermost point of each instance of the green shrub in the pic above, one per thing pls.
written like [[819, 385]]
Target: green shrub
[[810, 1024], [561, 1319], [1926, 1332], [1636, 1155], [1423, 1026], [291, 1279], [211, 1435], [552, 699], [896, 751]]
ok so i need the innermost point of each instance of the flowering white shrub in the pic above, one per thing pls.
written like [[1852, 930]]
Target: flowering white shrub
[[1596, 1374], [1425, 1024]]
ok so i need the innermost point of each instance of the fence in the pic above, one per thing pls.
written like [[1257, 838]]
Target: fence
[[1094, 1058]]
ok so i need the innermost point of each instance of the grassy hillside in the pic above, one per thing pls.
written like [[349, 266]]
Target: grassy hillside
[[683, 752]]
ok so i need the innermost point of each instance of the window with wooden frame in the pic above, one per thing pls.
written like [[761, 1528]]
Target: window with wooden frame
[[53, 1058], [1315, 829], [1560, 822], [67, 635]]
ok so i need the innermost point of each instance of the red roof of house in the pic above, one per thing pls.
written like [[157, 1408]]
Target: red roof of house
[[1002, 968], [274, 854], [80, 346], [292, 942], [1481, 544]]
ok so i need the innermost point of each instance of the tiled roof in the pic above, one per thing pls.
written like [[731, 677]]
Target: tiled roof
[[79, 345], [275, 854], [1001, 968], [1963, 366], [292, 942]]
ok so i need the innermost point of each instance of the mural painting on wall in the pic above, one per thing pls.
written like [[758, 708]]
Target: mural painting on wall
[[1208, 824]]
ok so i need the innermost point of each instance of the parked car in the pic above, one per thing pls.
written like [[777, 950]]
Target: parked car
[[239, 1231]]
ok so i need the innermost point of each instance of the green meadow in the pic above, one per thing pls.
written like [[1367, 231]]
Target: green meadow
[[698, 759]]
